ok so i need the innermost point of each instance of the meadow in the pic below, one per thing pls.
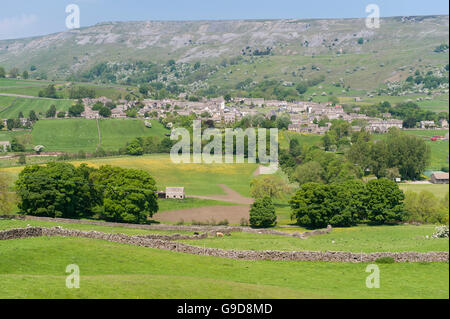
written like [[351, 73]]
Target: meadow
[[13, 106], [35, 268], [438, 190], [73, 135], [20, 83], [198, 179], [363, 238]]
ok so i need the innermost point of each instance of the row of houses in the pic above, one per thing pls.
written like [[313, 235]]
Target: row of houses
[[304, 115]]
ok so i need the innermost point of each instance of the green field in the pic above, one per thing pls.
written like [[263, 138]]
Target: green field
[[355, 239], [115, 133], [188, 203], [438, 190], [21, 83], [35, 268], [73, 135], [67, 135], [198, 179], [10, 107]]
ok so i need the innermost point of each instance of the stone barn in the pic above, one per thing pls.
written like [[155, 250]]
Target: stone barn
[[175, 192], [439, 178]]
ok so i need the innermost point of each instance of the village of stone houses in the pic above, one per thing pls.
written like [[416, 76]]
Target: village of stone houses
[[93, 206]]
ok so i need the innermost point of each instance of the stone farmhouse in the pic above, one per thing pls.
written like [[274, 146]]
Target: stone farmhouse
[[175, 193]]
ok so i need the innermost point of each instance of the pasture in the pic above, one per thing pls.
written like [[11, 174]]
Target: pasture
[[35, 268], [73, 135], [10, 107], [198, 179], [363, 238], [438, 190]]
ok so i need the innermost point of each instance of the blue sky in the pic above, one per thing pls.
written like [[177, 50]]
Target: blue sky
[[22, 18]]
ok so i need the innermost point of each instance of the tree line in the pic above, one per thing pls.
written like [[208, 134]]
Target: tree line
[[107, 193]]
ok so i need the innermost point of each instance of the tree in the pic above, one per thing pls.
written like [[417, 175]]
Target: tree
[[307, 205], [22, 160], [310, 172], [76, 109], [25, 75], [302, 88], [49, 92], [16, 146], [128, 195], [10, 124], [7, 198], [33, 117], [283, 122], [410, 154], [424, 207], [360, 41], [61, 115], [334, 100], [105, 112], [51, 113], [56, 190], [2, 73], [262, 213], [384, 201], [134, 148], [268, 185]]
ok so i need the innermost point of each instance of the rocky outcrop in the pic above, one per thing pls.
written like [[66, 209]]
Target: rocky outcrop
[[159, 243]]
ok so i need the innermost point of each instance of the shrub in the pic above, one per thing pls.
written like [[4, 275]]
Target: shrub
[[262, 213]]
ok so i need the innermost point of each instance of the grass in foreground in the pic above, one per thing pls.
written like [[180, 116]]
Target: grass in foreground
[[356, 239], [35, 268]]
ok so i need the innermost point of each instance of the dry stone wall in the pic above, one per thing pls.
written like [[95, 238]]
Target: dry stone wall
[[159, 243], [211, 230]]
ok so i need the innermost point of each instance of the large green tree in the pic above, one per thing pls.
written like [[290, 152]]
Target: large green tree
[[128, 195], [262, 213], [384, 201], [56, 190]]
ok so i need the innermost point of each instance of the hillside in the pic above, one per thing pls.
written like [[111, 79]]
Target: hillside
[[288, 50]]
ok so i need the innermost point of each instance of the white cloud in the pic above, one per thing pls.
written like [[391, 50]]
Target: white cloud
[[12, 27]]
